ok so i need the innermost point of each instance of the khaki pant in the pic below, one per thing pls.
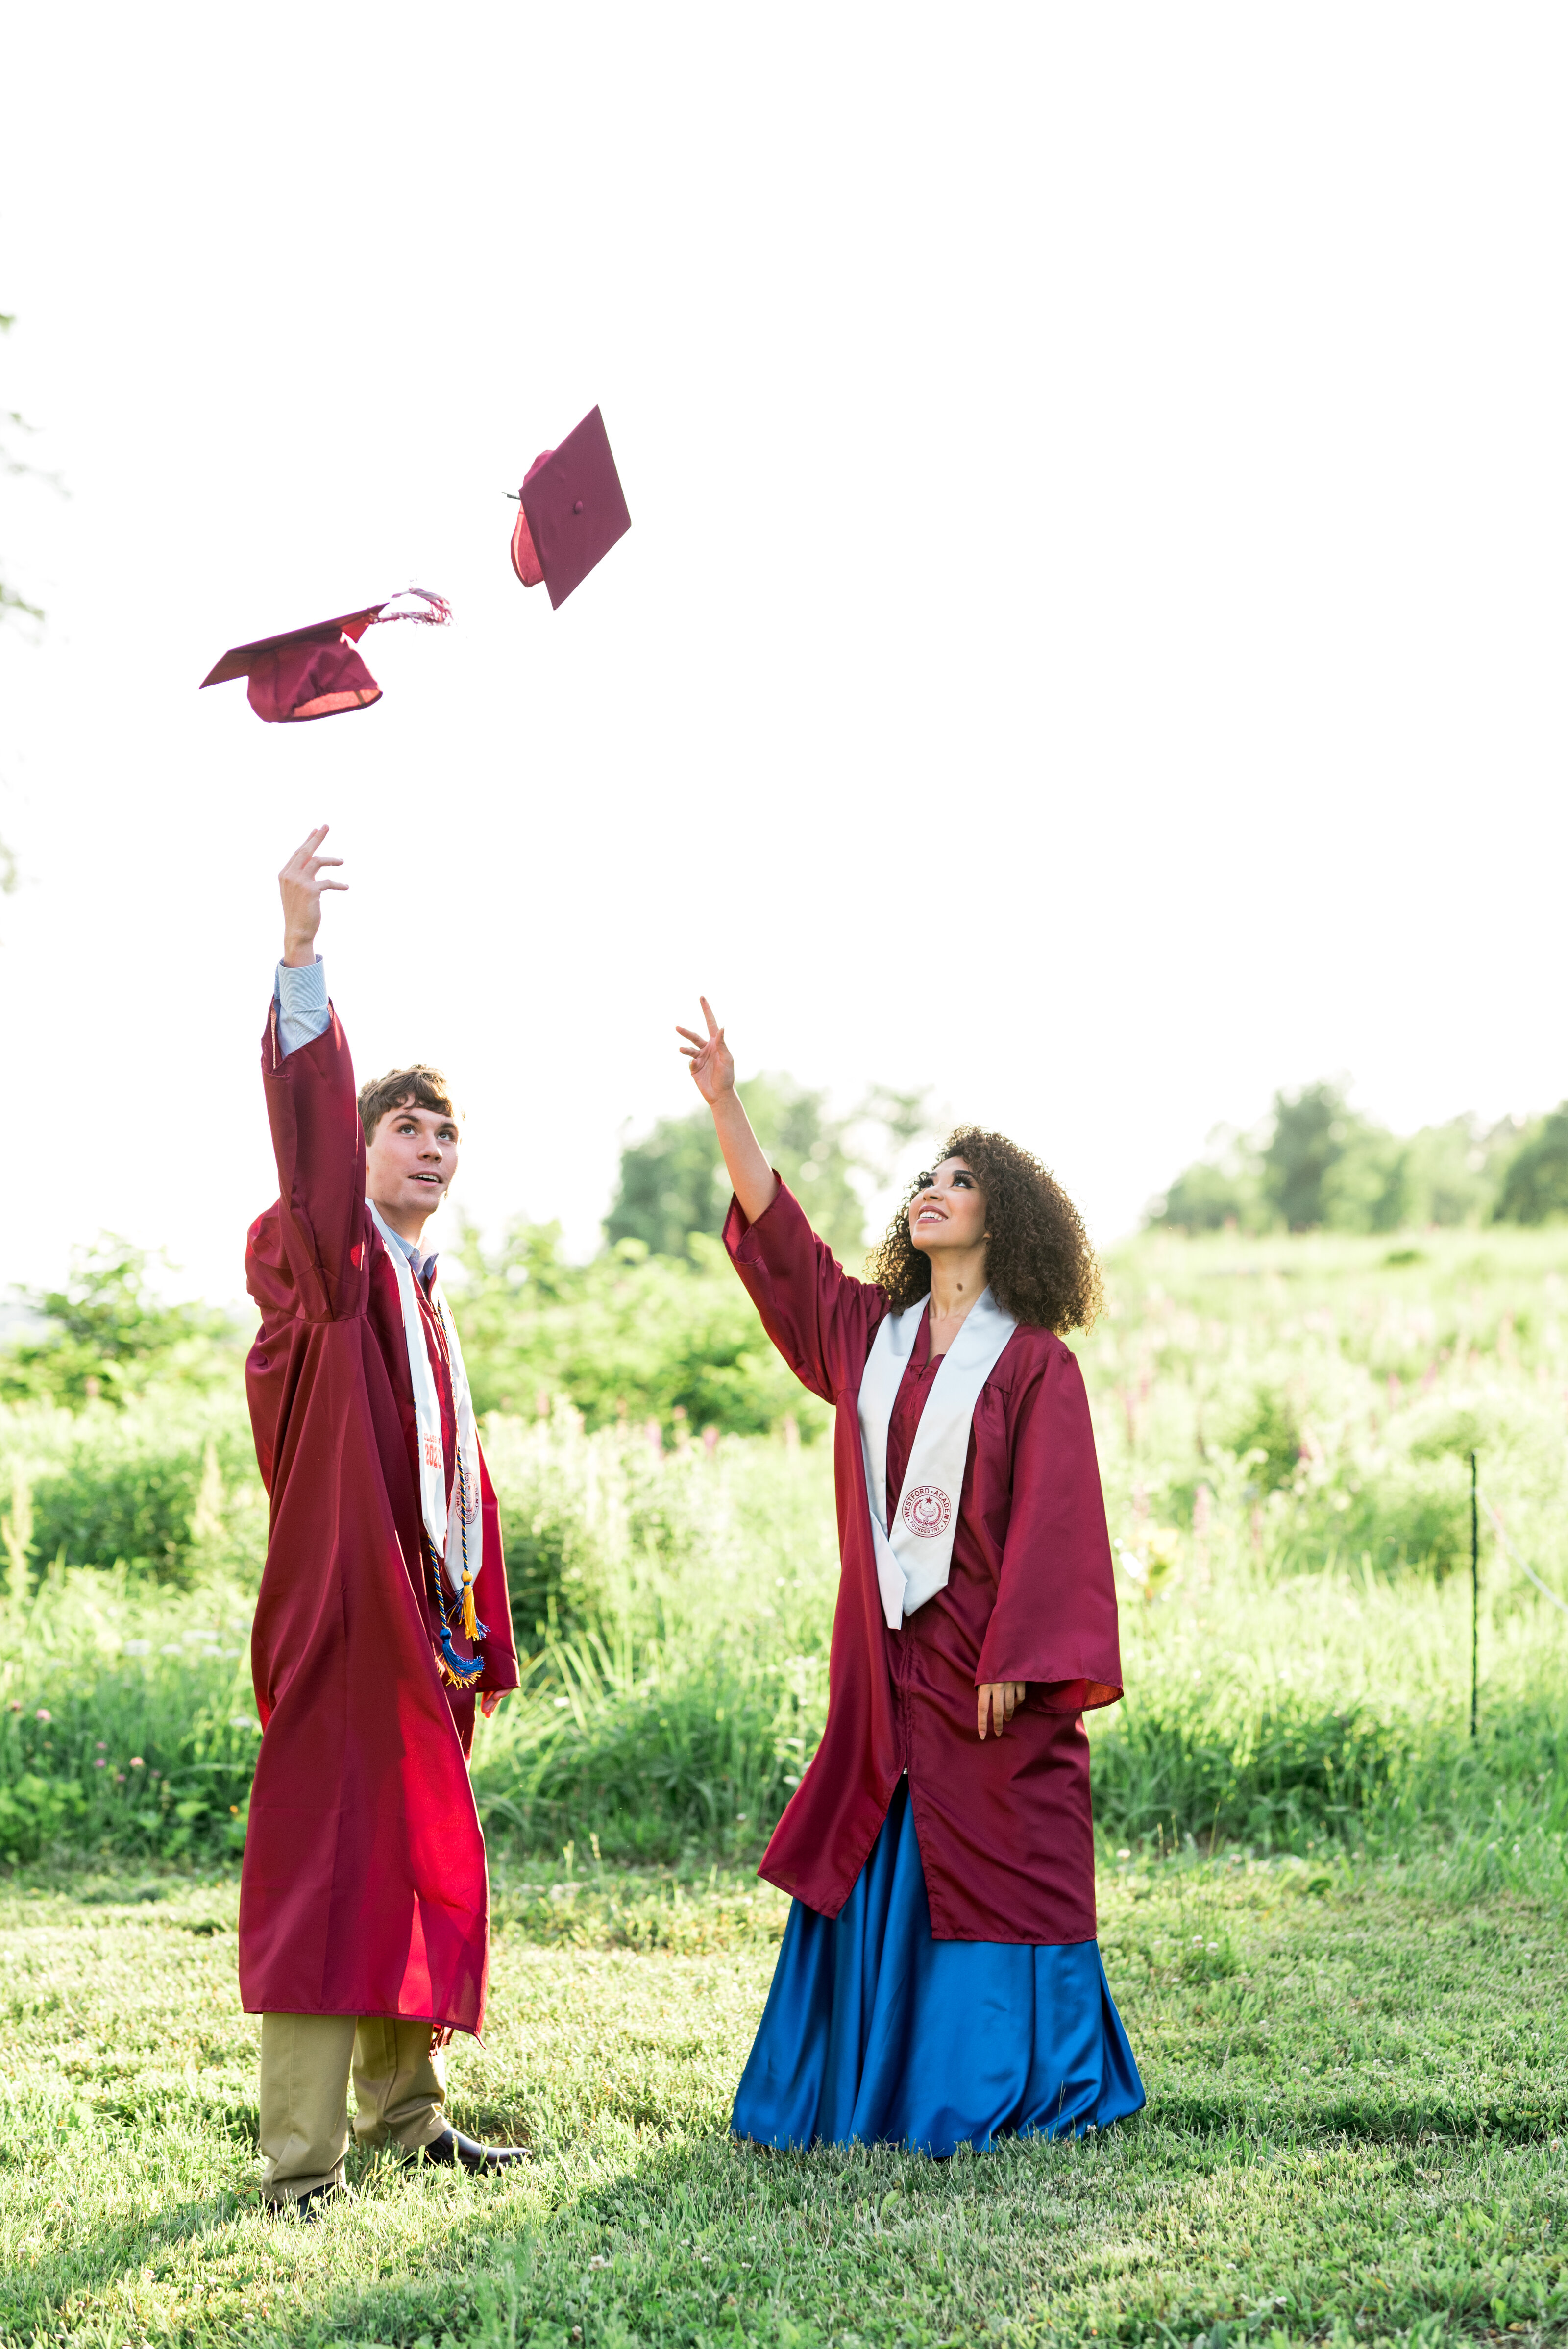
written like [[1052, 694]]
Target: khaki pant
[[399, 2093]]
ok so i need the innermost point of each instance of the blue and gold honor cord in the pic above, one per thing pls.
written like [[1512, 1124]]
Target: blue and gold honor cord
[[455, 1610]]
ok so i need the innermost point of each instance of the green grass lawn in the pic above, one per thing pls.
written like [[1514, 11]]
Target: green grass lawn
[[1350, 2021], [1358, 2092]]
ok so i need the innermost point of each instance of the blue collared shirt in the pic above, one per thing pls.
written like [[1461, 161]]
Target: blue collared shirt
[[302, 1010]]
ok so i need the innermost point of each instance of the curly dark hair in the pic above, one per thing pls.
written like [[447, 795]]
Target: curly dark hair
[[1040, 1264]]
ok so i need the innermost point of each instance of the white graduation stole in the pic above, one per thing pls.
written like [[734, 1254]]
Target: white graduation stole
[[446, 1528], [914, 1560]]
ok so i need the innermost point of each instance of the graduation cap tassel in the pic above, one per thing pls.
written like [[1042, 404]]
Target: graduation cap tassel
[[438, 614]]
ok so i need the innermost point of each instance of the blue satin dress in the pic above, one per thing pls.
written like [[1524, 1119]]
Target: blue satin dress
[[876, 2032]]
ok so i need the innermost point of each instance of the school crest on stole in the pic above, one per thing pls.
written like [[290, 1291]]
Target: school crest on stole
[[927, 1510]]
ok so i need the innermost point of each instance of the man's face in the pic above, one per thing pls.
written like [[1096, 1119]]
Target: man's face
[[410, 1160]]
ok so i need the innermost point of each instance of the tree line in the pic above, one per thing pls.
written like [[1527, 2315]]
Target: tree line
[[1317, 1164]]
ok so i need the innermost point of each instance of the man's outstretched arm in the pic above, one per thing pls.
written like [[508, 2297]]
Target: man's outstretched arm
[[299, 988], [312, 1107]]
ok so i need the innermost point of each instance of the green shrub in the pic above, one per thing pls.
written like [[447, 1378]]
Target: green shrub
[[105, 1336], [127, 1728], [1414, 1518], [1207, 1197], [1271, 1775], [1535, 1187], [631, 1337], [167, 1484], [652, 1753], [137, 1506], [1268, 1440], [35, 1812]]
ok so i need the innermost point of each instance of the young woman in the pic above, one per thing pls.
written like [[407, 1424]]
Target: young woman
[[939, 1979]]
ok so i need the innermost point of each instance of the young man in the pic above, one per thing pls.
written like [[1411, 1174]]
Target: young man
[[383, 1615]]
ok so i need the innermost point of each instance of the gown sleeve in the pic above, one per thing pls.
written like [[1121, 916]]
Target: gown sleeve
[[1054, 1621], [821, 1319], [314, 1111]]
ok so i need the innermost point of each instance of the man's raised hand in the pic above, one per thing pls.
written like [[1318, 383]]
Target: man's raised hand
[[712, 1068], [300, 884]]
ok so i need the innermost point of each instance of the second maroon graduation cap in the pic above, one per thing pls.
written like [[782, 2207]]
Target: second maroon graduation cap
[[316, 672], [571, 511]]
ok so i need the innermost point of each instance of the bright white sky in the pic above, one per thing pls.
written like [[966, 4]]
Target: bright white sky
[[1090, 639]]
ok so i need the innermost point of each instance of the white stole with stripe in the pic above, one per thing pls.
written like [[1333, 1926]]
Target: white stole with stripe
[[914, 1560], [445, 1526]]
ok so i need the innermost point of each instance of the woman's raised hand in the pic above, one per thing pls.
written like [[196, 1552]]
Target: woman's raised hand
[[713, 1074], [300, 884], [713, 1068]]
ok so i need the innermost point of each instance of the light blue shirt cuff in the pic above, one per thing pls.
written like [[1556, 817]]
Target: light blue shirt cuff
[[303, 1012]]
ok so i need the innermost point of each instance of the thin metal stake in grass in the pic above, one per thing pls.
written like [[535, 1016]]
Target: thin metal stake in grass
[[1475, 1598]]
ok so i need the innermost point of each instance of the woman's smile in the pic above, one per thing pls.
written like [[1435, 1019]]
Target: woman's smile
[[948, 1206]]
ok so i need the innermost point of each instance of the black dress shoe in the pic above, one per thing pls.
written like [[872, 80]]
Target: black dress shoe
[[452, 2146], [307, 2206]]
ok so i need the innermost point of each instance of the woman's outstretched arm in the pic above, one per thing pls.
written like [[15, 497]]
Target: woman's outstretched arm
[[751, 1179], [820, 1319]]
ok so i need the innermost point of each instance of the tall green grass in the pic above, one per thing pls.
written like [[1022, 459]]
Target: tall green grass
[[679, 1682], [1284, 1427], [128, 1727]]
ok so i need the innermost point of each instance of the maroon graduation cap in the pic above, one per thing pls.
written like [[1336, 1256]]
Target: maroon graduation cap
[[570, 511], [316, 672]]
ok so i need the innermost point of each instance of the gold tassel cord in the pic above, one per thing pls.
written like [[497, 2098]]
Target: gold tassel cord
[[470, 1619]]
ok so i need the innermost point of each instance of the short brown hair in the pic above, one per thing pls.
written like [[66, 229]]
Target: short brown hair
[[1040, 1266], [417, 1088]]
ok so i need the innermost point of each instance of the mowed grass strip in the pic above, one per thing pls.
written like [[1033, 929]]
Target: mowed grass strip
[[1358, 2103]]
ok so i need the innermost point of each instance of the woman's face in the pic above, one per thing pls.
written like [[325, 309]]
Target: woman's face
[[948, 1211]]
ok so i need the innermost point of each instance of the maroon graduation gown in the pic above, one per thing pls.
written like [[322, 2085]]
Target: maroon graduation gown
[[363, 1889], [1005, 1830]]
